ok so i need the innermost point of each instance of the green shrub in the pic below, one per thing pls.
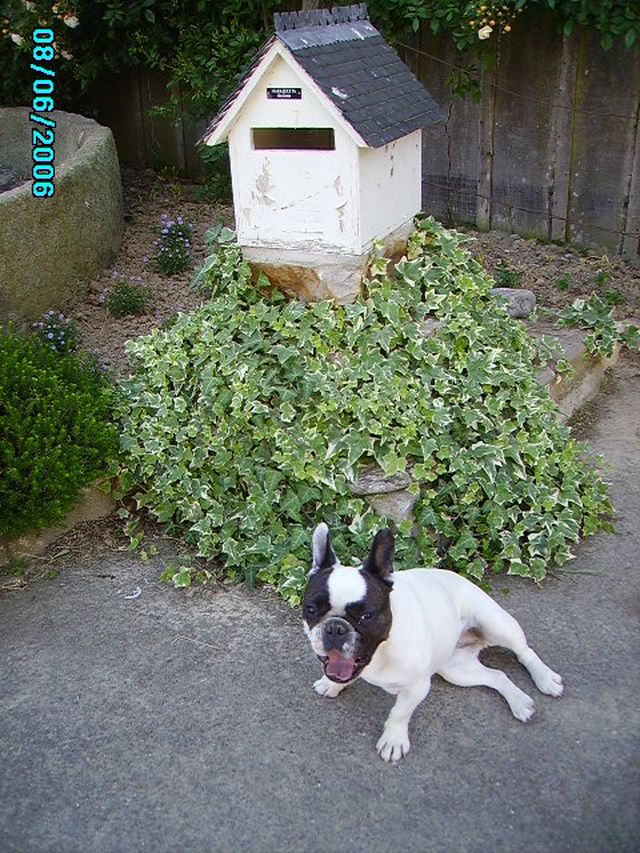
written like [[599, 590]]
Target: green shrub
[[56, 432], [244, 423], [128, 297]]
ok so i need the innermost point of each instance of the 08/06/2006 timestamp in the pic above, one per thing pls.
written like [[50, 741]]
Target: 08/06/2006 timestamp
[[43, 137]]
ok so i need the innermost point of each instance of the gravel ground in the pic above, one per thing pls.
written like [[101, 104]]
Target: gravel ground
[[555, 273]]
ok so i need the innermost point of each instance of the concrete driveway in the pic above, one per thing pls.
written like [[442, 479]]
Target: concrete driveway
[[186, 721]]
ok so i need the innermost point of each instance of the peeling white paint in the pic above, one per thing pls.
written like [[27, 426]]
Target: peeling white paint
[[316, 200]]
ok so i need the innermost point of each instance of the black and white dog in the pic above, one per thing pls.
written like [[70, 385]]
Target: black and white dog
[[396, 631]]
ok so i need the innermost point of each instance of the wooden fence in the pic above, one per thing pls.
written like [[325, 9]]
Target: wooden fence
[[551, 150], [124, 103]]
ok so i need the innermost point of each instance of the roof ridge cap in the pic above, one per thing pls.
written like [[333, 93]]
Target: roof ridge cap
[[306, 18]]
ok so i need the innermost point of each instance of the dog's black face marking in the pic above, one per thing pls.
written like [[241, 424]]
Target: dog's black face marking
[[347, 610], [316, 600]]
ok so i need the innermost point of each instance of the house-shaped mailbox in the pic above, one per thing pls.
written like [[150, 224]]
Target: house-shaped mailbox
[[325, 138]]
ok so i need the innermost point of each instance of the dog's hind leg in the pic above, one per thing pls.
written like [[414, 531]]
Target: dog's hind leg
[[465, 670], [499, 628]]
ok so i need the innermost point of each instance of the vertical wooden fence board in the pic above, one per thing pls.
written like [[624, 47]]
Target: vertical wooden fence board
[[119, 107], [451, 159], [630, 248], [487, 128], [523, 141], [604, 132], [561, 138]]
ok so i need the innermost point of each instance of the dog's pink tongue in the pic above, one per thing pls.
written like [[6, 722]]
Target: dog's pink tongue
[[339, 667]]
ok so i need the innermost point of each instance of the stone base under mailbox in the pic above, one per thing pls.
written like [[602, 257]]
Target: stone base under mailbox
[[312, 276]]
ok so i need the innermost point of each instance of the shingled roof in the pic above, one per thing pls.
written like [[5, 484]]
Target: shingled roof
[[355, 68]]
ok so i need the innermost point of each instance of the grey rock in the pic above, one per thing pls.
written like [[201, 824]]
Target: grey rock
[[430, 326], [520, 302], [398, 506], [372, 481]]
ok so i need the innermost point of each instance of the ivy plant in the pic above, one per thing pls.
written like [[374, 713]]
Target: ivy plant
[[603, 332], [244, 424]]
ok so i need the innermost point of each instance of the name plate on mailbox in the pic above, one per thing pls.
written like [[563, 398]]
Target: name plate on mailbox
[[284, 93]]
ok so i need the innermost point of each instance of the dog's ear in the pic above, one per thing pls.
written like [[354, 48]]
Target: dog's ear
[[380, 559], [323, 555]]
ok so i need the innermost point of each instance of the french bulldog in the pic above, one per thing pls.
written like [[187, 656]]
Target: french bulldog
[[396, 630]]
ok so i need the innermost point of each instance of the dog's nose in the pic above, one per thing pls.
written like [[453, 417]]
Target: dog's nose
[[336, 628], [336, 633]]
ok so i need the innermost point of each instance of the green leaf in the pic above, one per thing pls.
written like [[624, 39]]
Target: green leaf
[[182, 578]]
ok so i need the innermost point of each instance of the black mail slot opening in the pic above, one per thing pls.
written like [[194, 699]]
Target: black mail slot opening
[[294, 138]]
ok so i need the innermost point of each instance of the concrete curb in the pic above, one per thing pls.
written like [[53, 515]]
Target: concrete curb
[[571, 391], [93, 505]]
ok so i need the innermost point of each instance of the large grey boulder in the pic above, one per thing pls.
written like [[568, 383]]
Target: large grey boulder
[[50, 248]]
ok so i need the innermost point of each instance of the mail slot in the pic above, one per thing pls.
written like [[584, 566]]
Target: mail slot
[[294, 138]]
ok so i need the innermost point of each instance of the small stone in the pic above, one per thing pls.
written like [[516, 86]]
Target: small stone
[[430, 326], [398, 506], [372, 481], [520, 302]]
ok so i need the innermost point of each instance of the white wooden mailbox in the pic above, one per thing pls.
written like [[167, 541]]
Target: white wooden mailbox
[[325, 145]]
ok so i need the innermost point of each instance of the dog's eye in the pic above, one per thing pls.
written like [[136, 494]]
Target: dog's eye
[[366, 616], [310, 611]]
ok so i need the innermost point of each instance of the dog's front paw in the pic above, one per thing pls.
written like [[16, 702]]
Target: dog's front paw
[[522, 706], [325, 687], [394, 743], [549, 682]]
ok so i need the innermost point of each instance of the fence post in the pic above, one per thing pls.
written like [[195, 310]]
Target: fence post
[[561, 136], [487, 130]]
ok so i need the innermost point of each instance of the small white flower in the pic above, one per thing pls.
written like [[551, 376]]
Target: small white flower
[[485, 32], [28, 5], [65, 54], [71, 21], [17, 39]]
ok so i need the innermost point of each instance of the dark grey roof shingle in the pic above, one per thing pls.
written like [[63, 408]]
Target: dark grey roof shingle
[[357, 71]]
